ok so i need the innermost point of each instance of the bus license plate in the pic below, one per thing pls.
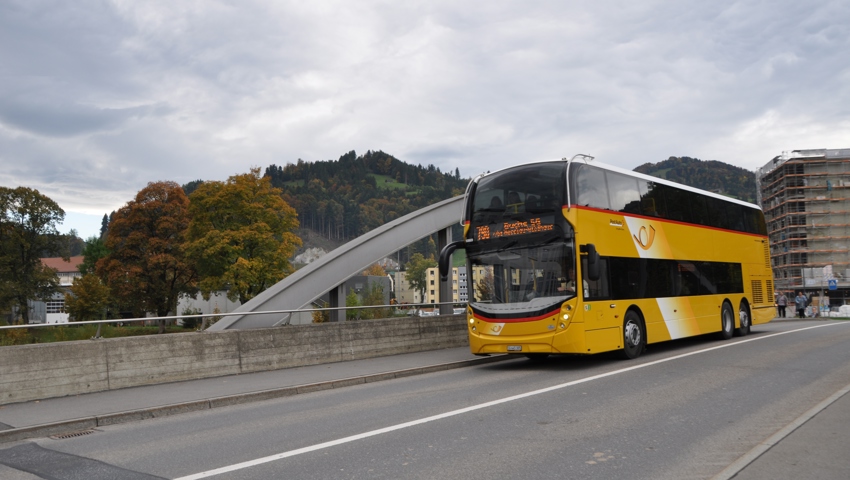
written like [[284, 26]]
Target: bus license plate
[[514, 348]]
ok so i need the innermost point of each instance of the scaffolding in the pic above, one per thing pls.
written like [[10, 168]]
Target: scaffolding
[[805, 195]]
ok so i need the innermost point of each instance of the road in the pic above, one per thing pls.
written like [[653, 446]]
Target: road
[[685, 409]]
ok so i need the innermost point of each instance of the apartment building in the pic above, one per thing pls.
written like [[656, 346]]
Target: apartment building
[[805, 195], [432, 293], [404, 293]]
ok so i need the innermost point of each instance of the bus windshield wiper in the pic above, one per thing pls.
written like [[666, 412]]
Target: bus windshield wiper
[[508, 245], [553, 239]]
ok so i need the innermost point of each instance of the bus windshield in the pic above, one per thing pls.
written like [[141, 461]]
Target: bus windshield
[[522, 279], [521, 249]]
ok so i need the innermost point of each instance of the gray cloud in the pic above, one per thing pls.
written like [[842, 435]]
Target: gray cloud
[[58, 117], [102, 97]]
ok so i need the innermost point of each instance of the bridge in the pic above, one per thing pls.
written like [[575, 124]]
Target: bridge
[[329, 273]]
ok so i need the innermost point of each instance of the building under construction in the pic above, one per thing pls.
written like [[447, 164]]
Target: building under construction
[[805, 195]]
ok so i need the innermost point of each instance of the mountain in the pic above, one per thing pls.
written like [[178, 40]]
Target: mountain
[[339, 200], [710, 175]]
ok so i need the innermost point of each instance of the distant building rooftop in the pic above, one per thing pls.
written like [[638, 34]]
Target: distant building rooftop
[[61, 266], [778, 160]]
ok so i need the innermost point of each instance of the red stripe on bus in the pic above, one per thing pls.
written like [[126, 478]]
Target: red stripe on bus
[[516, 320]]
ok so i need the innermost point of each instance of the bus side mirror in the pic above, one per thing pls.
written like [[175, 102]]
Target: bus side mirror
[[592, 261], [445, 255]]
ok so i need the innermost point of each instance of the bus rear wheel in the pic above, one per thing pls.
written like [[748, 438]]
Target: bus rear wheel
[[727, 321], [634, 336], [746, 323]]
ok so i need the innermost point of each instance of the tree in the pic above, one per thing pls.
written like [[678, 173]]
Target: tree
[[431, 248], [375, 270], [74, 244], [94, 250], [28, 232], [104, 226], [320, 316], [373, 296], [416, 272], [190, 187], [241, 235], [352, 301], [146, 268], [88, 299]]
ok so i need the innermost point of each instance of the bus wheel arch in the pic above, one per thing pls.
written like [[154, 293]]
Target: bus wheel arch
[[745, 318], [634, 334], [727, 320]]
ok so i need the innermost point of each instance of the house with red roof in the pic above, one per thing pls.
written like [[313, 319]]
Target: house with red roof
[[53, 310]]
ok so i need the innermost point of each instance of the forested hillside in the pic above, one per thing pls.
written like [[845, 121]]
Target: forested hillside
[[342, 199], [708, 175]]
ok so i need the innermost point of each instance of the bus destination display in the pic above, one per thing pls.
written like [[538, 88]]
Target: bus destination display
[[510, 229]]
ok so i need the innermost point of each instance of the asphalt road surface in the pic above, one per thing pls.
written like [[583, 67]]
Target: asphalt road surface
[[685, 409]]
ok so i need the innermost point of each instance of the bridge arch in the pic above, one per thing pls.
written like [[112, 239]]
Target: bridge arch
[[329, 273]]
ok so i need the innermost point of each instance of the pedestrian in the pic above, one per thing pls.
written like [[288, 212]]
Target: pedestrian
[[800, 302], [781, 303]]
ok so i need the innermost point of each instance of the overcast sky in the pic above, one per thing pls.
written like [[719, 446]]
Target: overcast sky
[[98, 98]]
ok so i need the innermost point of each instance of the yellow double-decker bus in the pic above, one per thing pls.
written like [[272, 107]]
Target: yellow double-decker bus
[[575, 256]]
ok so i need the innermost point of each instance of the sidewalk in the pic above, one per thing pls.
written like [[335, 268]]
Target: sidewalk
[[813, 447]]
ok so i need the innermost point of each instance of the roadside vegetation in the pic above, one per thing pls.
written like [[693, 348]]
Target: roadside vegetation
[[67, 333]]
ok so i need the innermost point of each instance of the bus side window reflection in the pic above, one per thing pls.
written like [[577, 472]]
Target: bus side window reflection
[[597, 289]]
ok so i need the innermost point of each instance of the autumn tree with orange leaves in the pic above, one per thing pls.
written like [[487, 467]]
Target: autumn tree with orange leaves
[[241, 235], [375, 270], [146, 269]]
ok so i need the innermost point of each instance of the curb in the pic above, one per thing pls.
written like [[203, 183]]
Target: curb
[[87, 423]]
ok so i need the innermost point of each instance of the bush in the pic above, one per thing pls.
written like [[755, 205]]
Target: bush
[[191, 323], [15, 336]]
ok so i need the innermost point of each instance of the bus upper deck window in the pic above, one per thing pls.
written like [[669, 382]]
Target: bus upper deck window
[[592, 190]]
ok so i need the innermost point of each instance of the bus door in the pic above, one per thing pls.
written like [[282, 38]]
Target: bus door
[[603, 317]]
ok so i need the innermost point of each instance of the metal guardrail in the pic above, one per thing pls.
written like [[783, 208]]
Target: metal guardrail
[[210, 315]]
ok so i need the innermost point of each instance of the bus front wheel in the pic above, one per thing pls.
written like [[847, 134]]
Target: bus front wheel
[[634, 336], [727, 321]]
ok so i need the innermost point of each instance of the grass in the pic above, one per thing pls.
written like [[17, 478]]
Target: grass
[[71, 332], [386, 182], [660, 173], [459, 258]]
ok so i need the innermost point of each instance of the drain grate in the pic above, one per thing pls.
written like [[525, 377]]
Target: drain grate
[[63, 436]]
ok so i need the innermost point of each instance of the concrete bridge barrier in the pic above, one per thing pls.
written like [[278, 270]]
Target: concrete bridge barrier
[[34, 372]]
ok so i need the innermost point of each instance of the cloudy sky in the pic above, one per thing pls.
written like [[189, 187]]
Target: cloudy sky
[[98, 98]]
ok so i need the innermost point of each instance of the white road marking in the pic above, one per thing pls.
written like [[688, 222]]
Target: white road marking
[[433, 418]]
